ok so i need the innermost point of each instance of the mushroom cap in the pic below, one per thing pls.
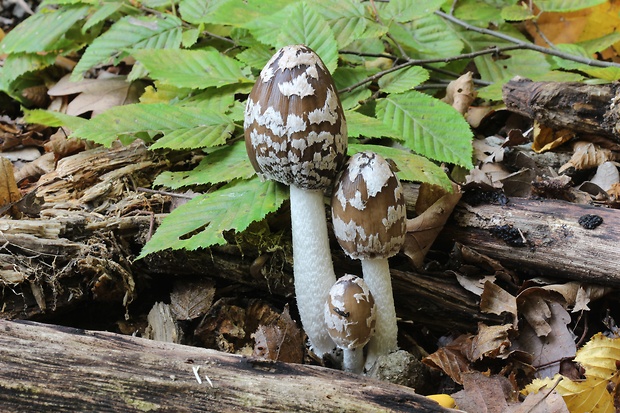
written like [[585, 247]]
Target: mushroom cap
[[295, 129], [368, 208], [350, 312]]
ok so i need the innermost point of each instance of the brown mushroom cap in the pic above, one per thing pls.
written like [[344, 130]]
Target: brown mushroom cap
[[368, 208], [350, 312], [295, 129]]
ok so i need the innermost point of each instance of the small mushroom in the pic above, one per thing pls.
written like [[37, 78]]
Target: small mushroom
[[296, 133], [350, 317], [369, 218]]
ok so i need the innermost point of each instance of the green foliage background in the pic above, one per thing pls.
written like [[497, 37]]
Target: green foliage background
[[203, 57]]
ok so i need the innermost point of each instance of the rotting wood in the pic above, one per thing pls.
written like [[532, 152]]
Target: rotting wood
[[555, 245], [59, 369], [590, 109]]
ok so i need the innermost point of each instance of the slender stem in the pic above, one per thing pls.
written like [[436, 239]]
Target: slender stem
[[313, 267], [353, 360], [377, 276], [526, 45]]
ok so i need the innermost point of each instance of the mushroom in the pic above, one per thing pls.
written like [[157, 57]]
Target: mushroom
[[296, 133], [369, 218], [350, 316]]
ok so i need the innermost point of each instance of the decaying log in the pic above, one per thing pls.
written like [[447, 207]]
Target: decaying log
[[542, 238], [591, 109], [58, 369]]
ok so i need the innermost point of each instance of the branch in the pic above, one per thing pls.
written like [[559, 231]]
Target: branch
[[527, 45], [420, 62]]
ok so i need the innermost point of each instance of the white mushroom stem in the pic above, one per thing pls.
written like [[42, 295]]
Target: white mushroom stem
[[313, 268], [353, 360], [377, 276]]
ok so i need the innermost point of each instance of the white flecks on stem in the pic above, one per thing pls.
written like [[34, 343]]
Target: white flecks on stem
[[313, 268], [377, 277]]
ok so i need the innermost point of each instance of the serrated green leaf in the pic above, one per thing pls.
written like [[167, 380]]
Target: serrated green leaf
[[359, 125], [403, 80], [408, 10], [197, 69], [195, 11], [16, 64], [348, 29], [130, 32], [428, 126], [411, 167], [239, 12], [526, 63], [298, 24], [348, 76], [601, 43], [132, 120], [103, 12], [605, 73], [479, 13], [427, 38], [566, 5], [256, 56], [201, 222], [203, 136], [54, 119], [222, 165], [41, 31], [516, 13]]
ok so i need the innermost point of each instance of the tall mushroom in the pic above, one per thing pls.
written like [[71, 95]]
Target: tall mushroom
[[296, 133], [350, 314], [369, 217]]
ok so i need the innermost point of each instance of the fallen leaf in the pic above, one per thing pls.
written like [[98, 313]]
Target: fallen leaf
[[547, 400], [496, 300], [191, 299], [423, 230], [453, 359], [9, 193], [587, 155], [281, 340], [482, 393], [460, 93], [491, 341], [546, 139]]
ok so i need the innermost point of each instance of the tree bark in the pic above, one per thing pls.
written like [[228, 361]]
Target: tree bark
[[59, 369], [590, 109], [554, 243]]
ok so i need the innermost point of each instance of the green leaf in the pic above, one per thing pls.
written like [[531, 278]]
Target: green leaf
[[197, 69], [174, 122], [130, 33], [41, 31], [54, 119], [411, 167], [567, 5], [201, 222], [408, 10], [428, 126], [202, 136], [103, 12], [363, 126], [222, 165], [516, 12], [605, 73], [427, 38], [298, 24], [600, 43], [348, 76], [403, 80], [16, 64], [256, 56], [526, 63], [239, 12]]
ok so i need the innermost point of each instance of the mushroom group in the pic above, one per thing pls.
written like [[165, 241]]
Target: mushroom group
[[370, 222], [296, 133]]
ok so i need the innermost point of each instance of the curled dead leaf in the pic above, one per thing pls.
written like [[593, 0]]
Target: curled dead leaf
[[587, 155]]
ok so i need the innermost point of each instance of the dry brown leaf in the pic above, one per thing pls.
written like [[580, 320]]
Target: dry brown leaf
[[496, 300], [482, 393], [587, 155], [9, 193], [546, 139], [577, 295], [460, 93], [280, 340], [545, 401], [62, 146], [97, 95], [545, 335], [191, 299], [423, 230], [453, 359], [491, 341]]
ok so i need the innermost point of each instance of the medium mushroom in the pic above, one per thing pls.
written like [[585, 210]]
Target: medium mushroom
[[296, 133], [369, 218], [350, 316]]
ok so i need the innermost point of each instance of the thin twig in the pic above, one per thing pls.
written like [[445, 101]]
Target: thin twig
[[527, 45], [414, 62]]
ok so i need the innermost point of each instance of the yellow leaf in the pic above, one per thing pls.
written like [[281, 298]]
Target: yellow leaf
[[599, 356]]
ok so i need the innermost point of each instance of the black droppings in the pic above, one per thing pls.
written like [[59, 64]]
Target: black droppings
[[590, 221], [511, 235]]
